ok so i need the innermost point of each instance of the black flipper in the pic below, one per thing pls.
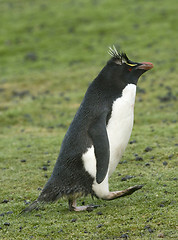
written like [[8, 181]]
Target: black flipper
[[100, 141]]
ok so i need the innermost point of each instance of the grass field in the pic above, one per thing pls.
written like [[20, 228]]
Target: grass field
[[49, 53]]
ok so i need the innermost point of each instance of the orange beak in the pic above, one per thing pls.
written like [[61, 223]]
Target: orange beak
[[145, 66]]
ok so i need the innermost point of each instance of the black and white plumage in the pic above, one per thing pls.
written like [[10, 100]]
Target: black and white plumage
[[97, 136]]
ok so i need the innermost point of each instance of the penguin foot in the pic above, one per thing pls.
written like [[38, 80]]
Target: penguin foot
[[123, 193], [73, 206]]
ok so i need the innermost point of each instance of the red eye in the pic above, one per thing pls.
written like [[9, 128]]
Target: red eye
[[130, 69]]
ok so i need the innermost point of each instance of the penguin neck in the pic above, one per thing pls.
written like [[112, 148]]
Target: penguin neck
[[129, 93]]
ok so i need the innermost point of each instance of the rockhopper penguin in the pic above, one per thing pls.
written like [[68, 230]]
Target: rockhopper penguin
[[97, 136]]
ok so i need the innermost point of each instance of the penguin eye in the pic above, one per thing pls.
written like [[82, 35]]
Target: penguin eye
[[130, 69]]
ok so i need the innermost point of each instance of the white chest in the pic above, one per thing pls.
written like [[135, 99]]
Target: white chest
[[119, 129], [120, 125]]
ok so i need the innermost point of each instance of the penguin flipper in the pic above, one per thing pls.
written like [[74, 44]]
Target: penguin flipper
[[98, 134]]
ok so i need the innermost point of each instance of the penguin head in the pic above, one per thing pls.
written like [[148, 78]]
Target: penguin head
[[122, 69]]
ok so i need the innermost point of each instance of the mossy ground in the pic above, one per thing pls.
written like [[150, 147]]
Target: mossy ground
[[49, 53]]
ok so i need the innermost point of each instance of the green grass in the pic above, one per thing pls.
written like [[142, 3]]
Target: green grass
[[49, 53]]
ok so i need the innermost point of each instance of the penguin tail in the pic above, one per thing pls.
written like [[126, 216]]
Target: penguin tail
[[34, 205], [50, 193]]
